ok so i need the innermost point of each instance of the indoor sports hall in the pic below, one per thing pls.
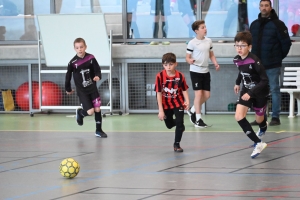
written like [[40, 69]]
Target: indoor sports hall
[[38, 127]]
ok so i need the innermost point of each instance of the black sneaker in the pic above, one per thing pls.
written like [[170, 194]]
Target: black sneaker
[[79, 117], [200, 124], [254, 123], [192, 116], [101, 134], [275, 121], [177, 147]]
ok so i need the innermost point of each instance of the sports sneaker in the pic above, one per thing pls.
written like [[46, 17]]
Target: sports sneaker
[[259, 147], [200, 124], [79, 117], [275, 121], [154, 43], [101, 134], [192, 116], [260, 134], [177, 147]]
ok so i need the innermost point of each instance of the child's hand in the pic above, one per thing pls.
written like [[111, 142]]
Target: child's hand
[[96, 78], [246, 97], [186, 105], [236, 89], [217, 67], [70, 92], [191, 61], [161, 116]]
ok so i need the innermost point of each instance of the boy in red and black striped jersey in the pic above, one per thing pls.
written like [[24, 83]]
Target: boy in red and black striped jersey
[[86, 71], [172, 97]]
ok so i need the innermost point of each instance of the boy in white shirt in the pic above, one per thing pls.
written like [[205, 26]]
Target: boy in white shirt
[[198, 51]]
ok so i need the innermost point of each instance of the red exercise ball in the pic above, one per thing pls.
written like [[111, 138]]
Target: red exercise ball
[[51, 94], [22, 94]]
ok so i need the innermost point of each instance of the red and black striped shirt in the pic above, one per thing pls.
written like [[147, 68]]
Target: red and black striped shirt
[[171, 89]]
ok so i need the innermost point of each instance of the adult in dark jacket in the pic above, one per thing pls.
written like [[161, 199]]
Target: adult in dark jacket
[[271, 43]]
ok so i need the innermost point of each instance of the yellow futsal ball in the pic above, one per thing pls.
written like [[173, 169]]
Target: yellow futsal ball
[[69, 168]]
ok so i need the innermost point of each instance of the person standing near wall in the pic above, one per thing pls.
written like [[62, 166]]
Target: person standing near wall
[[271, 43]]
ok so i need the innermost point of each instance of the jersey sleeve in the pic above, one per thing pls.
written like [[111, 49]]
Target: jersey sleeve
[[184, 84], [68, 87], [158, 85], [190, 48], [264, 81], [210, 45], [97, 68]]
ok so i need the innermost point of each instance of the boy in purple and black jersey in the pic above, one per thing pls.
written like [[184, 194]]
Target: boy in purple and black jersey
[[254, 91], [86, 71]]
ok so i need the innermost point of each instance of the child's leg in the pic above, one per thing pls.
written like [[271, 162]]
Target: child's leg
[[260, 118], [98, 119], [169, 121], [240, 116], [179, 129], [179, 114], [201, 97], [84, 111]]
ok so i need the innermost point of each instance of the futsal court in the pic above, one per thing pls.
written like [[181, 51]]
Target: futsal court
[[137, 160]]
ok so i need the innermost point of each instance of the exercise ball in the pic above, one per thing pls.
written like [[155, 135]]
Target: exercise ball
[[51, 94], [22, 94], [104, 93]]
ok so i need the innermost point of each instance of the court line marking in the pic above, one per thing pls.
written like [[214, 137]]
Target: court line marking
[[132, 169], [141, 131], [271, 142]]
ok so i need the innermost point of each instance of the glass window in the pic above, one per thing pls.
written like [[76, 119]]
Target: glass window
[[160, 18], [289, 13], [17, 21], [225, 17]]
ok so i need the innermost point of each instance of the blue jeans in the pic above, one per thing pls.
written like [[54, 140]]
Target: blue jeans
[[273, 75]]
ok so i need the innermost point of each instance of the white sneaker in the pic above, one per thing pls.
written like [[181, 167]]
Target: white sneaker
[[260, 134], [258, 149]]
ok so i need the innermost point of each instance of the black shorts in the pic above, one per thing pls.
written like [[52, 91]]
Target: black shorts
[[258, 104], [89, 101], [200, 81], [179, 116], [160, 6]]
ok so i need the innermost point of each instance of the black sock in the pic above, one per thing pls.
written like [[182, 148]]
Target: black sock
[[98, 120], [83, 113], [247, 128], [263, 125]]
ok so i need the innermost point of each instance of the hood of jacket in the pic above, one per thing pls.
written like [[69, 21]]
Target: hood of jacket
[[273, 15]]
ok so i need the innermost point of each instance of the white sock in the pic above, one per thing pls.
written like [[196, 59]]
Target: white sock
[[198, 116], [193, 109]]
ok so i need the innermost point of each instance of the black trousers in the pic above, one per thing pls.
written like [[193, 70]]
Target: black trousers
[[177, 122]]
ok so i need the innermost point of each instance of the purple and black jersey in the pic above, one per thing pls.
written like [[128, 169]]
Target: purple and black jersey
[[84, 70], [253, 76]]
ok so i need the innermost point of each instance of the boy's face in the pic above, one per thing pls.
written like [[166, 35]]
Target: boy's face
[[170, 67], [80, 49], [242, 48], [201, 31]]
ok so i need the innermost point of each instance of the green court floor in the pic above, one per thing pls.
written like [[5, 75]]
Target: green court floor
[[130, 123]]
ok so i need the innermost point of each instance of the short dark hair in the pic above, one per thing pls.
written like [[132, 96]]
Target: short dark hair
[[196, 24], [268, 1], [168, 58], [244, 36], [79, 40]]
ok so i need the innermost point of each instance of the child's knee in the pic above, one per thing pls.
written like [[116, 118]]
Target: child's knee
[[91, 111], [97, 109]]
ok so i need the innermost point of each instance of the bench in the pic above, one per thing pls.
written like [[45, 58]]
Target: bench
[[291, 77]]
